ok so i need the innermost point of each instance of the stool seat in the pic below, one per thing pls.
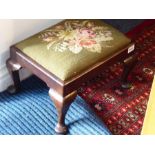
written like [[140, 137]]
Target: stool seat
[[73, 46]]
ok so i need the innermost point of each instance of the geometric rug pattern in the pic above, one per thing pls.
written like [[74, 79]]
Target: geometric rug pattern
[[123, 110]]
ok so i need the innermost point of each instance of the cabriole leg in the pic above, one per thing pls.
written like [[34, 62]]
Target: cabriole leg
[[129, 63], [13, 69], [62, 105]]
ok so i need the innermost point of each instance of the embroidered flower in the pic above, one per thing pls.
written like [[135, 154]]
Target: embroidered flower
[[77, 35]]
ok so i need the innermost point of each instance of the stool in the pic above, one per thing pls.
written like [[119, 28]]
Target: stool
[[68, 54]]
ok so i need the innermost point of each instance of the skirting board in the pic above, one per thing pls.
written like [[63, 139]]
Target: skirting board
[[5, 78]]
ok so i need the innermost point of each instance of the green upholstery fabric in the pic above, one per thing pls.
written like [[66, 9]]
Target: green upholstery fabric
[[72, 46]]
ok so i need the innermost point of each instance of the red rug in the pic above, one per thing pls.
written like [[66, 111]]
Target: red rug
[[123, 110]]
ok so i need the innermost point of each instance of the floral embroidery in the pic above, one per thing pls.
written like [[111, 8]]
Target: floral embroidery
[[77, 35]]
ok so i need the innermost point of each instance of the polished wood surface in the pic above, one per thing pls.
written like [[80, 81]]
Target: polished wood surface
[[13, 69], [62, 105], [129, 63]]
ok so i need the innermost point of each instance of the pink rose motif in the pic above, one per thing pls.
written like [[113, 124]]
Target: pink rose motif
[[87, 42], [76, 35], [87, 33]]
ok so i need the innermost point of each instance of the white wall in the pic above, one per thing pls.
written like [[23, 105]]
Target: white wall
[[12, 31]]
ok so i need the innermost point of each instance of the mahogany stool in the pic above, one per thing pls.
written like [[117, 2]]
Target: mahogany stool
[[68, 54]]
